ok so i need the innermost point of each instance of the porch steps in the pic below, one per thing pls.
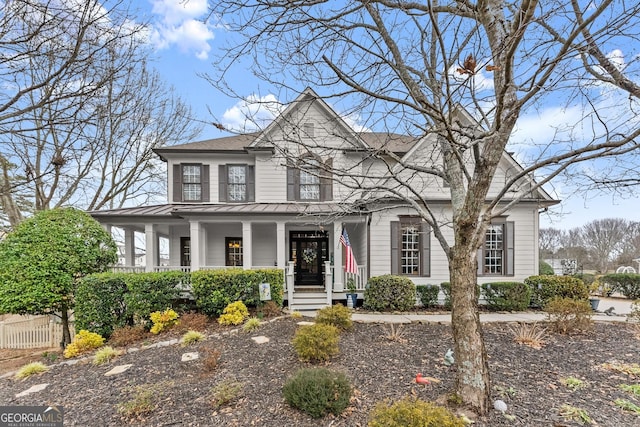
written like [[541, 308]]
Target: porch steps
[[308, 299]]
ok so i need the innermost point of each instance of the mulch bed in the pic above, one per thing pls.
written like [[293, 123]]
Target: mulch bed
[[527, 379]]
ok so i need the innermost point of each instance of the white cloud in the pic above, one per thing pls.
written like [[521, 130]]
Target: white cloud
[[252, 114], [181, 23]]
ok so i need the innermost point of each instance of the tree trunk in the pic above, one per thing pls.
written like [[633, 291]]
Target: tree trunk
[[472, 381], [66, 333]]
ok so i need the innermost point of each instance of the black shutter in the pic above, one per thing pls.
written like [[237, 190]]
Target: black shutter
[[222, 183], [251, 184], [177, 183], [293, 186], [425, 250], [326, 182], [205, 183], [509, 247], [395, 247]]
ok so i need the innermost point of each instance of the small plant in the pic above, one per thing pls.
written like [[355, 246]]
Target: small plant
[[270, 309], [127, 335], [634, 316], [572, 383], [529, 334], [569, 315], [316, 343], [631, 369], [50, 356], [163, 320], [395, 332], [251, 324], [337, 315], [351, 286], [192, 322], [144, 401], [318, 391], [509, 392], [627, 405], [83, 342], [226, 392], [234, 314], [631, 388], [191, 337], [410, 412], [210, 359], [32, 368], [454, 399], [572, 413], [296, 315], [104, 355]]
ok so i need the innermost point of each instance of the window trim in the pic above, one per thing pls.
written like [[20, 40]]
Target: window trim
[[224, 185], [424, 246], [508, 249], [178, 183], [323, 173]]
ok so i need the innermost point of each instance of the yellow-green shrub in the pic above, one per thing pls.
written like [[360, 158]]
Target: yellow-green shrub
[[234, 314], [410, 412], [337, 315], [84, 342], [317, 342], [31, 369], [192, 337], [163, 320], [569, 315], [104, 355]]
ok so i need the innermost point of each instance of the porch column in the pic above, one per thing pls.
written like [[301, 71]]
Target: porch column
[[195, 234], [151, 247], [129, 247], [338, 276], [281, 247], [247, 245]]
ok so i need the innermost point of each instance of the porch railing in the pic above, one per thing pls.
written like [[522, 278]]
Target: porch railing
[[360, 278]]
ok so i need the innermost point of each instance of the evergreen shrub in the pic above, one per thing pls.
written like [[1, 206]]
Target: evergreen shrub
[[410, 412], [428, 295], [545, 288], [318, 391], [316, 343], [506, 296], [390, 293]]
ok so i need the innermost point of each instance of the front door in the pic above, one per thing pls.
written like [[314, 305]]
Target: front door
[[309, 251]]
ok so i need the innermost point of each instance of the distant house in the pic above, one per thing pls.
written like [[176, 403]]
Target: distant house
[[237, 202]]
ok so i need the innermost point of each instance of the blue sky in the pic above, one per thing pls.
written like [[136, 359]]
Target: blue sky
[[185, 46]]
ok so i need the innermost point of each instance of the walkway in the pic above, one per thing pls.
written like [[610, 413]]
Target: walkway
[[621, 307]]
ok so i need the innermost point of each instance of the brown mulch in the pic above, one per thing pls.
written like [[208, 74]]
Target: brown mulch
[[527, 379]]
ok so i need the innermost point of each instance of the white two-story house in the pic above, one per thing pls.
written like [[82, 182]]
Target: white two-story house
[[270, 199]]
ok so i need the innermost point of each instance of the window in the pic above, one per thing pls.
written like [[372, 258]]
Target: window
[[495, 258], [310, 180], [236, 183], [185, 251], [410, 247], [190, 182], [233, 251]]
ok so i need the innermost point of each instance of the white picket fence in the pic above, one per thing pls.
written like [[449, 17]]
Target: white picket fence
[[31, 332]]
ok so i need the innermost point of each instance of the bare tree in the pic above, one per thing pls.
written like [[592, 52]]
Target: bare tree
[[407, 66], [550, 242], [82, 110], [604, 241]]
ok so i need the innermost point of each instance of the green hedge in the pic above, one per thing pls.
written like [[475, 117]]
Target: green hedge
[[389, 292], [544, 269], [100, 306], [149, 292], [545, 288], [628, 284], [215, 289], [110, 300], [510, 296], [428, 295]]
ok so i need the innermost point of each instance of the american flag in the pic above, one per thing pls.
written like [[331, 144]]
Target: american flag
[[350, 266]]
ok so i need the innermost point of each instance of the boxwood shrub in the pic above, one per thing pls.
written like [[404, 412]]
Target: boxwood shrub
[[389, 292], [628, 284], [215, 289], [509, 296], [149, 292], [544, 288], [100, 306], [428, 295]]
